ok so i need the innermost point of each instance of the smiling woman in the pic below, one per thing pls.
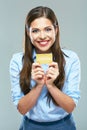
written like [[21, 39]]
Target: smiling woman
[[45, 93], [42, 34]]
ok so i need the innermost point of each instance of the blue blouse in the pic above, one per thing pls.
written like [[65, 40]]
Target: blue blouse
[[41, 111]]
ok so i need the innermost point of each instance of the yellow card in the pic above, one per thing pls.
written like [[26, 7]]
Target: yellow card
[[44, 58]]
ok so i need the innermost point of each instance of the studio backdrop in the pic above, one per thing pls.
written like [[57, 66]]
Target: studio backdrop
[[72, 19]]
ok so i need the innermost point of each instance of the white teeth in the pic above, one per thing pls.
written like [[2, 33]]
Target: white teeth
[[43, 43]]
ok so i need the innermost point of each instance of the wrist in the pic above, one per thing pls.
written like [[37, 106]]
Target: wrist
[[49, 86], [39, 86]]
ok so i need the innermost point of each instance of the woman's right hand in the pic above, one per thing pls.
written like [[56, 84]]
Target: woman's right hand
[[37, 74]]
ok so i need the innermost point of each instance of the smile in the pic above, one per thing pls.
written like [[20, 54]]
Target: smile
[[43, 43]]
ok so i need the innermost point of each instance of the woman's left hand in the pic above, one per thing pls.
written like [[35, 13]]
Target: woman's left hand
[[51, 74]]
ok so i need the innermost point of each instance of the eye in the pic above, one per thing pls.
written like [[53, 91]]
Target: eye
[[48, 29], [35, 31]]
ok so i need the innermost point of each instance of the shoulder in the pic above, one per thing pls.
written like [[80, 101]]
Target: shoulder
[[16, 60], [70, 55], [71, 58], [72, 63], [17, 57]]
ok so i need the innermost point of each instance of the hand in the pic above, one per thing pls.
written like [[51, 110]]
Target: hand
[[37, 74], [51, 74]]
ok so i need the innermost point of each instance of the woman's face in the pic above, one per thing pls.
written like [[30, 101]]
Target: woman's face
[[42, 34]]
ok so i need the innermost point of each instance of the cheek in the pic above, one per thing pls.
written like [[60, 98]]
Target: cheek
[[53, 36], [32, 38]]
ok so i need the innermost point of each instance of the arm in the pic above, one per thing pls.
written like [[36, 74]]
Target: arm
[[24, 102], [68, 98], [30, 99], [61, 99]]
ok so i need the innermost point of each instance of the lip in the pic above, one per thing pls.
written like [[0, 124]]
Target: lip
[[43, 42]]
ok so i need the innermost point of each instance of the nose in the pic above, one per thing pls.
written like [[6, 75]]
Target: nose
[[42, 35]]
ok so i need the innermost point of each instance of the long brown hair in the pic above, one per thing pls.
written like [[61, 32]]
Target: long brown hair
[[25, 74]]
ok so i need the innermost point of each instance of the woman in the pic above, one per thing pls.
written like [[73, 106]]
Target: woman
[[45, 94]]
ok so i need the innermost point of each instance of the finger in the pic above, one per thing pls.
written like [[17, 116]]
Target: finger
[[49, 76], [35, 65], [52, 73], [37, 74], [53, 70], [54, 65], [38, 77], [38, 69]]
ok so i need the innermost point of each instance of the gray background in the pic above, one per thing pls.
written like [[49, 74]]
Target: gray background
[[72, 17]]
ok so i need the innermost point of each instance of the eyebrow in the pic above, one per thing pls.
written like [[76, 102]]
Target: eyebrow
[[44, 27]]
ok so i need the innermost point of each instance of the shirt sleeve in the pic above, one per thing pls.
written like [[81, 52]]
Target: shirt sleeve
[[73, 72], [15, 65]]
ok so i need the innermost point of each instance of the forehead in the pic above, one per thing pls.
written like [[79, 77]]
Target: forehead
[[41, 22]]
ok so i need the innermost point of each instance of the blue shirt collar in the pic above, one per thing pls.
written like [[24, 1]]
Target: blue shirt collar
[[34, 54]]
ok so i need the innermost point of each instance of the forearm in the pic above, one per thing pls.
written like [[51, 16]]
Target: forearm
[[29, 100], [62, 99]]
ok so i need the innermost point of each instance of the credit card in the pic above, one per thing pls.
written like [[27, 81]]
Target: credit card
[[44, 58]]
